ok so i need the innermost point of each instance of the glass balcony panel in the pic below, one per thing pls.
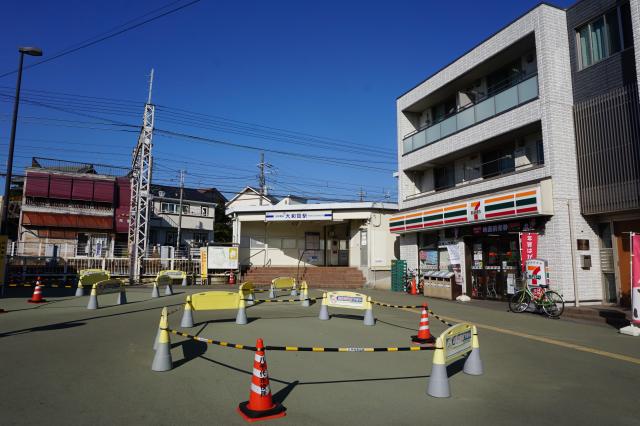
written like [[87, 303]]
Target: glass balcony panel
[[528, 89], [433, 133], [449, 126], [507, 99], [466, 118], [419, 139], [485, 109], [408, 144]]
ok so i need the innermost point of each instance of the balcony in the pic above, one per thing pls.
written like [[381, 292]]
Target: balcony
[[511, 97]]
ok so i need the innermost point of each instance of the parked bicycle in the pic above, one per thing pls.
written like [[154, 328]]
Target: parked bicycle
[[551, 303]]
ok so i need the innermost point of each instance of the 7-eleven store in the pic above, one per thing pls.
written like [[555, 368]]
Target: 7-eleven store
[[484, 233]]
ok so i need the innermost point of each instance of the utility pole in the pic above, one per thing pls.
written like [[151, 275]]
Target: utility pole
[[180, 211], [141, 168], [362, 194], [262, 181]]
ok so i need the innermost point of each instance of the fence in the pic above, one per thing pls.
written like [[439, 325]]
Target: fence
[[25, 268]]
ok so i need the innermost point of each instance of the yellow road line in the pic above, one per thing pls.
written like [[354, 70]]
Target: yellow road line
[[547, 340]]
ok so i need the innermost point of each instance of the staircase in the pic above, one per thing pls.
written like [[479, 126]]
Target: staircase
[[317, 276]]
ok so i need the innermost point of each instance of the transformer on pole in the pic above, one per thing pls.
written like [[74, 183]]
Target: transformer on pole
[[141, 168]]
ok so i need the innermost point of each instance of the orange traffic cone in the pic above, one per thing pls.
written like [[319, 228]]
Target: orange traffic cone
[[260, 405], [37, 294], [424, 334], [414, 290]]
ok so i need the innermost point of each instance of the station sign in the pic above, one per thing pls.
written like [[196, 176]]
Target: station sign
[[296, 216]]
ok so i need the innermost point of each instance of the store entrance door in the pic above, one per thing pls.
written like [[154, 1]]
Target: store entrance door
[[495, 267]]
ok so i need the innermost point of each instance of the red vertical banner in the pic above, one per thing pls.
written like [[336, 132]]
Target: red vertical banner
[[635, 278], [528, 247]]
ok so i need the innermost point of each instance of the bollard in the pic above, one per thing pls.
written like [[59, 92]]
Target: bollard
[[122, 297], [187, 315], [473, 363], [168, 290], [324, 310], [272, 292], [368, 315], [184, 282], [241, 317], [438, 380], [304, 294], [155, 293], [93, 299], [162, 360]]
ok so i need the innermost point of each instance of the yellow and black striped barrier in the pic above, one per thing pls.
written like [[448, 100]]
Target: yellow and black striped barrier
[[305, 348], [281, 300], [41, 285], [433, 314]]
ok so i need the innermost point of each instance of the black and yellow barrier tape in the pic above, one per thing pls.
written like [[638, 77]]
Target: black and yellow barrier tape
[[281, 300], [41, 285], [433, 314], [427, 347]]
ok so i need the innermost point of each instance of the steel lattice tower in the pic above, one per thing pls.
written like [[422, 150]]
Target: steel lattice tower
[[141, 169]]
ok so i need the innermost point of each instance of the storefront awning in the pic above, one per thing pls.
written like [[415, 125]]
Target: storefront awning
[[52, 220], [525, 202]]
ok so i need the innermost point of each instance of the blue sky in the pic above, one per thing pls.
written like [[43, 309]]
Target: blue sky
[[330, 69]]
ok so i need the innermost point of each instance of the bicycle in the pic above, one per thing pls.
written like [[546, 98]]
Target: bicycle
[[551, 302]]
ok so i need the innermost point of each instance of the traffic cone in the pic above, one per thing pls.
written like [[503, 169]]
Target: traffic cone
[[438, 379], [473, 364], [241, 316], [184, 282], [122, 297], [368, 314], [424, 334], [80, 289], [294, 291], [260, 405], [414, 290], [37, 294]]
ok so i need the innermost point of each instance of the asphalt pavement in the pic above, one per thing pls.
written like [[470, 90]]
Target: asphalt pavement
[[63, 364]]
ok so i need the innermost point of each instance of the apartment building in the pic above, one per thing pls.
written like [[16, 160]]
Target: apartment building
[[486, 151], [197, 220], [73, 209], [604, 71]]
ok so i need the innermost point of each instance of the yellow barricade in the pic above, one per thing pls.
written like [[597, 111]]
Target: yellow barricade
[[90, 277], [348, 300], [167, 276], [214, 300], [105, 286], [246, 291], [453, 344], [283, 283]]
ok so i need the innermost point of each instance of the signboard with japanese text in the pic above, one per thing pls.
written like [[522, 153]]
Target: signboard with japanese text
[[347, 299], [528, 247], [457, 341], [222, 257], [203, 264], [295, 216]]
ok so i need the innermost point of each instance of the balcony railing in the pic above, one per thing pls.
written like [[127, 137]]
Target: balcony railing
[[509, 98]]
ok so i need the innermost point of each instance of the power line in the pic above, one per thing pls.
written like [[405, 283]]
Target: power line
[[91, 42]]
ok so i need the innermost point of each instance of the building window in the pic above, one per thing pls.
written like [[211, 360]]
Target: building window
[[204, 211], [444, 177], [168, 208], [603, 36], [200, 237], [170, 238]]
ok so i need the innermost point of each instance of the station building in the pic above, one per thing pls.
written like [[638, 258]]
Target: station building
[[346, 244], [487, 151]]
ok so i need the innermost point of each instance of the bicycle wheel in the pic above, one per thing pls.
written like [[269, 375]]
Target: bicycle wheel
[[552, 304], [519, 301]]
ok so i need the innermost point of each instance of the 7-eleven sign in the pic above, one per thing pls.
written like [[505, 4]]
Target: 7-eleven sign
[[475, 211], [536, 272]]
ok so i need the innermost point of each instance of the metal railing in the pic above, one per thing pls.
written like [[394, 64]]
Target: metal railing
[[511, 97]]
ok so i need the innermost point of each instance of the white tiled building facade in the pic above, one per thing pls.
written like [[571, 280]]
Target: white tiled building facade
[[540, 34]]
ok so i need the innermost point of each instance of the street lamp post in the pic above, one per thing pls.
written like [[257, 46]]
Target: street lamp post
[[31, 51]]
